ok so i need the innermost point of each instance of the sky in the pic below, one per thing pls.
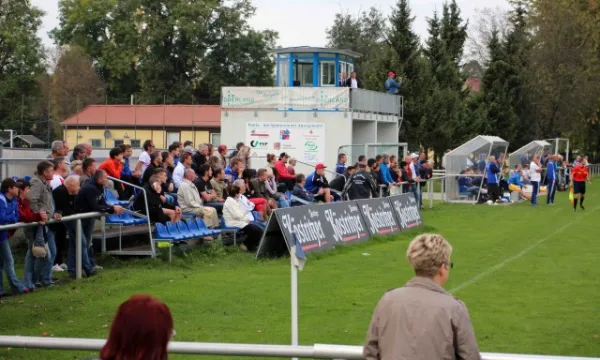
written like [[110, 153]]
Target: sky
[[303, 23]]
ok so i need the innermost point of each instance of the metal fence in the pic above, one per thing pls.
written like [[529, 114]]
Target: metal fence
[[375, 102], [316, 351]]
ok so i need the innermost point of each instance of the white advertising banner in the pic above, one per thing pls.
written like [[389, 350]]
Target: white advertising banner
[[321, 98], [303, 141]]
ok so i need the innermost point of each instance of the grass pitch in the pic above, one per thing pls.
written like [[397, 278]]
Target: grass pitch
[[528, 275]]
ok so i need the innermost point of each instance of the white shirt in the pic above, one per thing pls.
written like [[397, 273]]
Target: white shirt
[[57, 181], [534, 175], [413, 170], [178, 174], [354, 84], [249, 206], [145, 160]]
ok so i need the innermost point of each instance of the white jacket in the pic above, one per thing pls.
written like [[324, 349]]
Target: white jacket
[[233, 214], [178, 173], [188, 196]]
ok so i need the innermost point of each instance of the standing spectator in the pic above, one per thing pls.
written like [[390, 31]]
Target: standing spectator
[[79, 153], [244, 155], [221, 151], [89, 168], [551, 177], [235, 170], [126, 174], [340, 181], [169, 165], [236, 216], [200, 158], [174, 150], [340, 168], [76, 167], [360, 185], [292, 166], [90, 198], [185, 162], [144, 159], [158, 210], [535, 171], [32, 272], [392, 85], [208, 195], [406, 175], [211, 150], [317, 184], [422, 321], [155, 163], [283, 175], [492, 170], [343, 79], [141, 329], [64, 198], [271, 160], [190, 200], [218, 183], [385, 177], [362, 159], [87, 146], [234, 153], [425, 173], [9, 214], [113, 166], [56, 149], [61, 171], [354, 82], [41, 201]]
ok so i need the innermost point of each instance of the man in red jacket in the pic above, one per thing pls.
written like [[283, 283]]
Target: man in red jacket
[[283, 175]]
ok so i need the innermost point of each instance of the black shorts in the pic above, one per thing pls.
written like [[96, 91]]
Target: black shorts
[[579, 187]]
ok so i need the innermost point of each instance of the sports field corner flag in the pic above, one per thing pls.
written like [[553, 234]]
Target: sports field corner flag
[[571, 196], [297, 254]]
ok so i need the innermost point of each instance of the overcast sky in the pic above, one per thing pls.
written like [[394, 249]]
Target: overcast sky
[[303, 22]]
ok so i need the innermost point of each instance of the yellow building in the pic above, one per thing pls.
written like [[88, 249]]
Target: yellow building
[[107, 126]]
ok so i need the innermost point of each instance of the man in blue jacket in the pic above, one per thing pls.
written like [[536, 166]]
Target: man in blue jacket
[[492, 172], [551, 177], [385, 177], [392, 86], [9, 214], [317, 184]]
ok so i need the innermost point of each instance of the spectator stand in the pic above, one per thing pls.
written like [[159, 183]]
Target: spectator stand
[[370, 150], [472, 155], [525, 154]]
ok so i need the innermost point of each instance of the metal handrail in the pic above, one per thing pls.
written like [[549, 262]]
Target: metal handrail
[[318, 351]]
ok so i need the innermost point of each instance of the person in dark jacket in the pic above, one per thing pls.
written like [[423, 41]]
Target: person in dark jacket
[[340, 181], [158, 211], [155, 163], [361, 185], [353, 82], [300, 192], [90, 198]]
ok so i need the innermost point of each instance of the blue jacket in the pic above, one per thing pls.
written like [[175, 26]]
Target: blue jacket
[[464, 183], [384, 174], [9, 214], [126, 168], [314, 182], [492, 171], [233, 174], [340, 168], [551, 172], [392, 86], [515, 179]]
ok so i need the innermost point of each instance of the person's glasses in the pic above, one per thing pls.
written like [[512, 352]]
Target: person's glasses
[[451, 265]]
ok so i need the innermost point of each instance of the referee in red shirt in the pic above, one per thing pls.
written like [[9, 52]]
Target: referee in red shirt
[[579, 175]]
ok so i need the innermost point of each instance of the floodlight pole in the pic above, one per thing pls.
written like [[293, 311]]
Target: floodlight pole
[[294, 286]]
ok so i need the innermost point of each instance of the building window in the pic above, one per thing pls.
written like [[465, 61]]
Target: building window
[[118, 143], [136, 144], [327, 73], [172, 137], [96, 143], [284, 71], [215, 139]]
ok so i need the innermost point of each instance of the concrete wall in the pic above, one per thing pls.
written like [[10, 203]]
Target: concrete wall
[[338, 128]]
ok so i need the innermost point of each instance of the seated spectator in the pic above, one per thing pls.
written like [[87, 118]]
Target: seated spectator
[[185, 162], [158, 211], [9, 214], [283, 175], [465, 183], [292, 166], [317, 184], [247, 205], [515, 184], [271, 160], [208, 195], [235, 214], [61, 171], [234, 171], [271, 187], [126, 173], [340, 181], [76, 167], [237, 149], [167, 195], [215, 161], [260, 189], [260, 204], [360, 185], [155, 163], [244, 156], [190, 200], [221, 151], [300, 192], [218, 183], [340, 168], [141, 329], [421, 320], [89, 169], [168, 164], [114, 167], [174, 150], [200, 157]]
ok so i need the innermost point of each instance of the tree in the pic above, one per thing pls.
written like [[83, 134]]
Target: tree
[[480, 32], [21, 62], [453, 31]]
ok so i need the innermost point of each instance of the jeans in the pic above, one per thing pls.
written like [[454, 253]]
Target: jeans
[[551, 191], [415, 191], [39, 269], [171, 199], [217, 205], [283, 203], [87, 227], [85, 261], [7, 264], [534, 192]]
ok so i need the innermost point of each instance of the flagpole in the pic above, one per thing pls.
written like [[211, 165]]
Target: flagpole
[[294, 283]]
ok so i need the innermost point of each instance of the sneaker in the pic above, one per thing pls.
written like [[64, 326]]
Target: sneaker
[[581, 206], [98, 268], [57, 268], [243, 247], [64, 266]]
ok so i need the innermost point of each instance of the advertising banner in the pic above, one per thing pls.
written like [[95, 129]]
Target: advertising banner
[[309, 98], [406, 210], [379, 216], [303, 141]]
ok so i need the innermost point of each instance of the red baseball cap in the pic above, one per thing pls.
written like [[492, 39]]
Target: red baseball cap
[[391, 73], [222, 147], [320, 166]]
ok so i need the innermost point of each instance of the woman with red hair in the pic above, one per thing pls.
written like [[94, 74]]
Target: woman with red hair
[[141, 330]]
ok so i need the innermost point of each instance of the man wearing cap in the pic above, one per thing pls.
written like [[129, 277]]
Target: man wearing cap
[[317, 184], [391, 84], [283, 175]]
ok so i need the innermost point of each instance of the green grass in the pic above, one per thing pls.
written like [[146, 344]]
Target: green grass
[[542, 300]]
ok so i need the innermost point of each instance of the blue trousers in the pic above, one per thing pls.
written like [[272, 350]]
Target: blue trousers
[[7, 264], [551, 191], [39, 269], [85, 260], [534, 192]]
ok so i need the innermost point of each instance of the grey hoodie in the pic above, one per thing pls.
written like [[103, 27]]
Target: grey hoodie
[[40, 197]]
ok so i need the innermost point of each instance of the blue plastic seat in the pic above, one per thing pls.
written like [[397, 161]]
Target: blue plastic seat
[[228, 228], [257, 216], [27, 178], [184, 230], [111, 199], [124, 219], [202, 226], [193, 227], [162, 232], [175, 232]]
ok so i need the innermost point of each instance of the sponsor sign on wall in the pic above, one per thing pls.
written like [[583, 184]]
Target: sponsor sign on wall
[[379, 216], [406, 209], [304, 141], [320, 98]]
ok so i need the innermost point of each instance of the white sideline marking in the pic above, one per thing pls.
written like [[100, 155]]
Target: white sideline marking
[[518, 256]]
